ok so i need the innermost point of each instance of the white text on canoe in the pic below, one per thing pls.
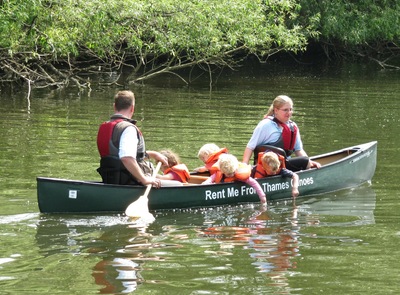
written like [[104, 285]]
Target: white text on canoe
[[244, 190]]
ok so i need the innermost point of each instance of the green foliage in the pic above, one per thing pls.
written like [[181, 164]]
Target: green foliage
[[356, 22], [170, 34], [199, 29]]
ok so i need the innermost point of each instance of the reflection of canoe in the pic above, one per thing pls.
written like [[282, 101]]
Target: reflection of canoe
[[357, 204], [340, 169]]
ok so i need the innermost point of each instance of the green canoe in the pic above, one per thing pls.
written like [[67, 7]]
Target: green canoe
[[345, 168]]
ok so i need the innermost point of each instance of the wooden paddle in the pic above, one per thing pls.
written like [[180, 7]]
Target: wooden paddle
[[140, 207]]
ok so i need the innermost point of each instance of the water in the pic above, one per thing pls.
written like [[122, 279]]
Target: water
[[339, 243]]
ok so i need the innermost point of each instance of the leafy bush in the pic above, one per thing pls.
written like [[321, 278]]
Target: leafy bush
[[159, 36]]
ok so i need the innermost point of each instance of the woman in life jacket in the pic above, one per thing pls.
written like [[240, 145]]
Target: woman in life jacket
[[228, 169], [209, 155], [276, 129], [174, 170], [270, 164]]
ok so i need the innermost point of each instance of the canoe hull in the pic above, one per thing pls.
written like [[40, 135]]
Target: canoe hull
[[72, 196]]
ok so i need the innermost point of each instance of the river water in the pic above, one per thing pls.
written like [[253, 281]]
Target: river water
[[338, 243]]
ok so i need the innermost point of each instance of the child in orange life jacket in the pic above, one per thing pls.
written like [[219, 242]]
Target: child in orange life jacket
[[175, 170], [229, 169], [209, 155], [269, 164]]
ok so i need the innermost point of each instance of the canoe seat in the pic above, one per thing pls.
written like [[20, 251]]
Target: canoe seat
[[195, 179]]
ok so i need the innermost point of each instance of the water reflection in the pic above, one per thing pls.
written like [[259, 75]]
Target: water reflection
[[101, 239], [200, 249], [105, 272], [274, 243]]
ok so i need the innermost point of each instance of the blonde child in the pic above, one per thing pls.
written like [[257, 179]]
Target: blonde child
[[209, 155], [229, 169], [269, 164], [174, 170]]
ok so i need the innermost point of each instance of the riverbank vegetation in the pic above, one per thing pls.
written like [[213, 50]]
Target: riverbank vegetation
[[58, 42]]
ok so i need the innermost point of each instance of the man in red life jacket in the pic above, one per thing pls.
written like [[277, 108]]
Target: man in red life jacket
[[122, 148]]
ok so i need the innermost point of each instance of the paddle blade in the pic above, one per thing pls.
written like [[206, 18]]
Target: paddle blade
[[138, 209]]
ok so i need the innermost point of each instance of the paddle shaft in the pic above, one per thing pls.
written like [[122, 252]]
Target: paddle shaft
[[140, 207], [149, 186]]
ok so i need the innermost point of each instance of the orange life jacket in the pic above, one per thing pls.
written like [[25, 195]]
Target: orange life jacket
[[241, 174], [212, 159], [259, 171], [181, 171]]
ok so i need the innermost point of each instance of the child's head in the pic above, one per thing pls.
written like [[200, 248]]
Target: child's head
[[206, 150], [173, 159], [270, 163], [228, 164]]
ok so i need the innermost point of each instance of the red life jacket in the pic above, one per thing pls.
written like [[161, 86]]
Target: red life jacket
[[213, 158], [287, 139], [258, 170], [181, 171], [109, 135], [241, 174], [111, 167], [104, 135]]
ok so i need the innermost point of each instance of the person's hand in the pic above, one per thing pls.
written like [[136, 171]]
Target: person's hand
[[264, 205], [156, 183], [295, 192], [263, 199], [315, 164], [200, 169], [161, 158]]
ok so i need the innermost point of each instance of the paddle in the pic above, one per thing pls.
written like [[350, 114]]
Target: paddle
[[140, 207]]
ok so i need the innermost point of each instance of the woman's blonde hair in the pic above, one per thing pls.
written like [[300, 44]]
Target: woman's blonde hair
[[271, 160], [278, 102], [228, 163]]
